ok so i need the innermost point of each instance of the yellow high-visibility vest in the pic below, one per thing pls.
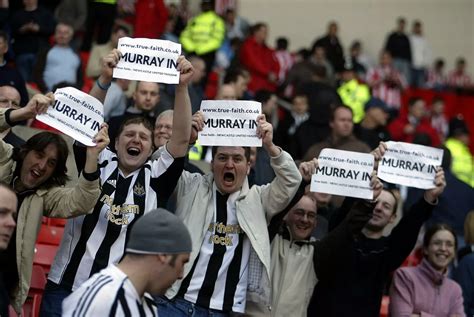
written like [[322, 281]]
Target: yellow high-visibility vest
[[205, 33], [462, 164], [355, 95]]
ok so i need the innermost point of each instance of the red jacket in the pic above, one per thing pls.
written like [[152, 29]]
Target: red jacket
[[150, 18], [259, 60], [397, 134]]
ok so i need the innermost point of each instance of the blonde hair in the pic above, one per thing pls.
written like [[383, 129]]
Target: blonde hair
[[469, 228]]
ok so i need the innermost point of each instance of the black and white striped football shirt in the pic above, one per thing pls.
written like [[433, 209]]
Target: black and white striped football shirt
[[91, 242], [218, 277], [108, 293]]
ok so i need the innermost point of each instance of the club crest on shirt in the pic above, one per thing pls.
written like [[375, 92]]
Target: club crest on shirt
[[138, 190]]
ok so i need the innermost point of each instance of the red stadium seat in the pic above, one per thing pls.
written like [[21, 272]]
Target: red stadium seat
[[33, 301], [50, 235], [44, 255], [58, 222]]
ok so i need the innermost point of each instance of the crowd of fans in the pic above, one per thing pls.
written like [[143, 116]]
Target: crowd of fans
[[247, 236]]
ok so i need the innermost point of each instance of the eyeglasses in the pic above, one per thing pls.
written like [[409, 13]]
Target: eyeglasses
[[300, 213], [11, 103]]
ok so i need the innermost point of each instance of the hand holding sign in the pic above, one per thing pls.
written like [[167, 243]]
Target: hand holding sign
[[101, 140], [265, 132], [431, 195], [109, 62], [378, 153], [37, 105], [307, 169], [197, 126], [376, 185], [186, 70]]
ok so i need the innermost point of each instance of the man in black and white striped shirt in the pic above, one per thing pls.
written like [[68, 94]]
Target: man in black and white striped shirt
[[157, 250], [131, 186], [227, 221]]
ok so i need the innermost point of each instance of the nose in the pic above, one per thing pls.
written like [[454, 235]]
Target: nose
[[42, 164], [10, 222], [229, 163]]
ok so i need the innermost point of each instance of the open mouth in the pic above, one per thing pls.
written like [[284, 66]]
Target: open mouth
[[133, 151], [35, 173], [229, 177]]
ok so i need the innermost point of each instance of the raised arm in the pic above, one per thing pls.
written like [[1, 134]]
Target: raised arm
[[102, 84], [341, 238], [403, 237], [277, 195], [178, 144]]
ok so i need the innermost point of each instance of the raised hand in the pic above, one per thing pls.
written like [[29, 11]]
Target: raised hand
[[378, 153], [307, 169], [431, 195], [101, 140], [185, 69], [197, 126], [109, 62]]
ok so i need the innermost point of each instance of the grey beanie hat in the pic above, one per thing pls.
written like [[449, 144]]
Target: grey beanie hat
[[159, 232]]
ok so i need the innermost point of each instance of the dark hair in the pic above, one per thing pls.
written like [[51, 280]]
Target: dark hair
[[263, 95], [460, 60], [422, 138], [233, 74], [256, 27], [281, 43], [401, 20], [136, 120], [38, 143], [439, 63], [337, 107], [431, 231], [355, 44], [246, 149], [413, 100], [304, 52]]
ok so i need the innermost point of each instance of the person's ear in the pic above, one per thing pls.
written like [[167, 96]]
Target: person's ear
[[248, 168]]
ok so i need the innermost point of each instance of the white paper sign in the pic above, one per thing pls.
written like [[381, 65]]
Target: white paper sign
[[148, 60], [344, 173], [410, 164], [76, 114], [230, 123]]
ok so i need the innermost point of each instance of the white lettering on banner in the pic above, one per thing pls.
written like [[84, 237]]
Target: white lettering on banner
[[343, 173], [410, 164], [230, 123], [76, 114], [148, 60]]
